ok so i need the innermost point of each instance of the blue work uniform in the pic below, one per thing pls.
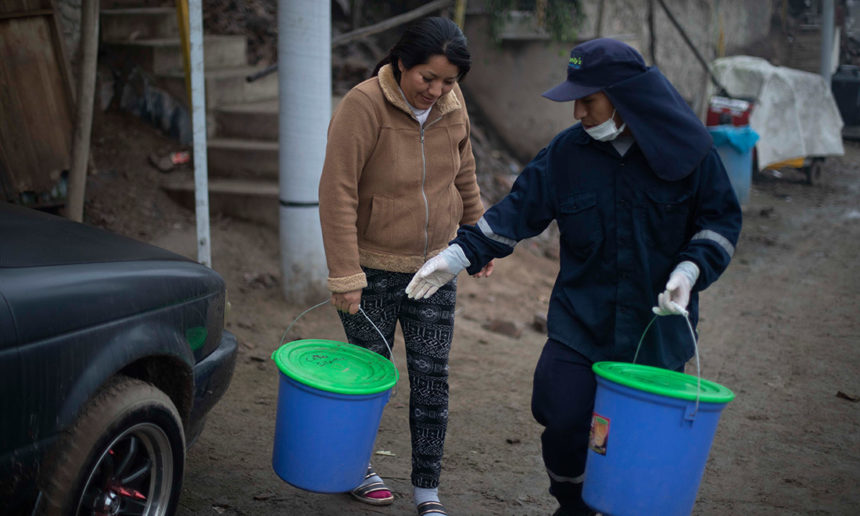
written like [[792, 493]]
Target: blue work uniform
[[623, 229], [626, 219]]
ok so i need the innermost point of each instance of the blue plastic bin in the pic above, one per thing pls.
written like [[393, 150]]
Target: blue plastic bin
[[331, 396], [735, 147], [650, 439]]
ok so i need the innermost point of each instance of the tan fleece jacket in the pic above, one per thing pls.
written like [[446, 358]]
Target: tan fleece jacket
[[393, 194]]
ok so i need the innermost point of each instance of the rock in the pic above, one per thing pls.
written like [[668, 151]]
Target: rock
[[539, 322], [509, 328]]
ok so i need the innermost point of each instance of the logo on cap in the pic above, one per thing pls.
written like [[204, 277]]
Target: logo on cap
[[575, 62]]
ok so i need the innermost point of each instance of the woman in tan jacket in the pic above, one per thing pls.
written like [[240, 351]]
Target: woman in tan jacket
[[398, 180]]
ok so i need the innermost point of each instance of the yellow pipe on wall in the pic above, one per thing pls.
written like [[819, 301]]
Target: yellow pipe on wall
[[184, 31], [460, 13]]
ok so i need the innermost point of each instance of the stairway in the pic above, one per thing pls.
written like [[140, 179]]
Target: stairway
[[242, 117]]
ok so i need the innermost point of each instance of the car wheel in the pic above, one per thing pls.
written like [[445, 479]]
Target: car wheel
[[124, 455]]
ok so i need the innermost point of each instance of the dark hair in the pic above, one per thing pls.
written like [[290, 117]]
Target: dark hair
[[426, 38]]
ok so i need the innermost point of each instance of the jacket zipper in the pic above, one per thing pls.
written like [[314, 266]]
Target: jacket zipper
[[423, 192]]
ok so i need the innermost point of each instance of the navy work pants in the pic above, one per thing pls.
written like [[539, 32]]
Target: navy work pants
[[563, 401]]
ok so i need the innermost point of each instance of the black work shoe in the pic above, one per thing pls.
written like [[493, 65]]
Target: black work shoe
[[561, 511]]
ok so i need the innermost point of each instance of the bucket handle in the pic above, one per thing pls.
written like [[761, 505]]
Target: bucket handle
[[360, 309], [686, 315]]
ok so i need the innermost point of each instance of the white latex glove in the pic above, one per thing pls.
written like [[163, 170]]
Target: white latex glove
[[676, 297], [438, 271]]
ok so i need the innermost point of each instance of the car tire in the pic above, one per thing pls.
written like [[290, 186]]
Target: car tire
[[126, 451]]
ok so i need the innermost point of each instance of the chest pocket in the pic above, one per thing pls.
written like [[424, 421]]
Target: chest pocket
[[667, 214], [579, 223]]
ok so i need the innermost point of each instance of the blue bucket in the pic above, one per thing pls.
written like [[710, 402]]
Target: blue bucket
[[651, 433], [735, 146], [330, 401]]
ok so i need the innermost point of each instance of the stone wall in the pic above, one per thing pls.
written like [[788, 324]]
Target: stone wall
[[507, 78]]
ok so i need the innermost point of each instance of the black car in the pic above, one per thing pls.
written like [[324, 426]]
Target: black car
[[112, 352]]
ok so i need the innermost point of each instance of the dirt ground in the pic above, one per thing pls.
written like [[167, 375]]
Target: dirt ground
[[781, 328]]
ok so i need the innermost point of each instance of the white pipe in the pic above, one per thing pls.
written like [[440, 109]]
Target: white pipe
[[304, 79], [198, 122], [827, 40]]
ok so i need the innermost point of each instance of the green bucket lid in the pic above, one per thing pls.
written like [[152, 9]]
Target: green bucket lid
[[663, 382], [337, 367]]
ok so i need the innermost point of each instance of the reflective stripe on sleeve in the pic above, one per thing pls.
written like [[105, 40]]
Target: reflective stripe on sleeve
[[713, 236], [488, 232]]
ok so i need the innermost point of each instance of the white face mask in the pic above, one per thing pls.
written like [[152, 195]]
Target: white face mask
[[607, 131]]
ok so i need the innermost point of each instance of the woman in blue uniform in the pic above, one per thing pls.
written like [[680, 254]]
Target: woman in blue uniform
[[647, 217]]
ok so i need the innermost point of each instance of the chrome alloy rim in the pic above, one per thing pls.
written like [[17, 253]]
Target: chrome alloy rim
[[133, 475]]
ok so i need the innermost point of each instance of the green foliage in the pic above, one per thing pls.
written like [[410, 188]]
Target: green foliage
[[561, 19]]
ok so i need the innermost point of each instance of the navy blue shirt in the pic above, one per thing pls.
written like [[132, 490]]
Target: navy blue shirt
[[623, 229]]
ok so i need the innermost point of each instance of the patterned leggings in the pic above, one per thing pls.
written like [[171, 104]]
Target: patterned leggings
[[428, 327]]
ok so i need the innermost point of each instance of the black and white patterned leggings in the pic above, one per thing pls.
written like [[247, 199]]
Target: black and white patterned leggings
[[428, 327]]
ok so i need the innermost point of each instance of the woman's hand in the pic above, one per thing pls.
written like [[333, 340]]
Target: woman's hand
[[348, 302], [487, 271]]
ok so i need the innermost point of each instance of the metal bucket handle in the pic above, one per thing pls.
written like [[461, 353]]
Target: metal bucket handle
[[360, 309], [688, 414]]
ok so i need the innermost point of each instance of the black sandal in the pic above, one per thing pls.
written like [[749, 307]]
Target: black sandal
[[431, 508]]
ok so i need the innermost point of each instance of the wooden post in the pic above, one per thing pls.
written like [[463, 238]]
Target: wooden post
[[84, 117]]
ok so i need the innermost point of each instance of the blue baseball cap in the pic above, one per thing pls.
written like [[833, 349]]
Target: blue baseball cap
[[594, 66]]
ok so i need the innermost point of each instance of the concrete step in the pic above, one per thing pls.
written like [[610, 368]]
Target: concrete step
[[134, 23], [164, 55], [225, 86], [242, 159], [251, 120], [252, 200]]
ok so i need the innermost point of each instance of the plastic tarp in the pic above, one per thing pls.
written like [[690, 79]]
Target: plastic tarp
[[794, 112]]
